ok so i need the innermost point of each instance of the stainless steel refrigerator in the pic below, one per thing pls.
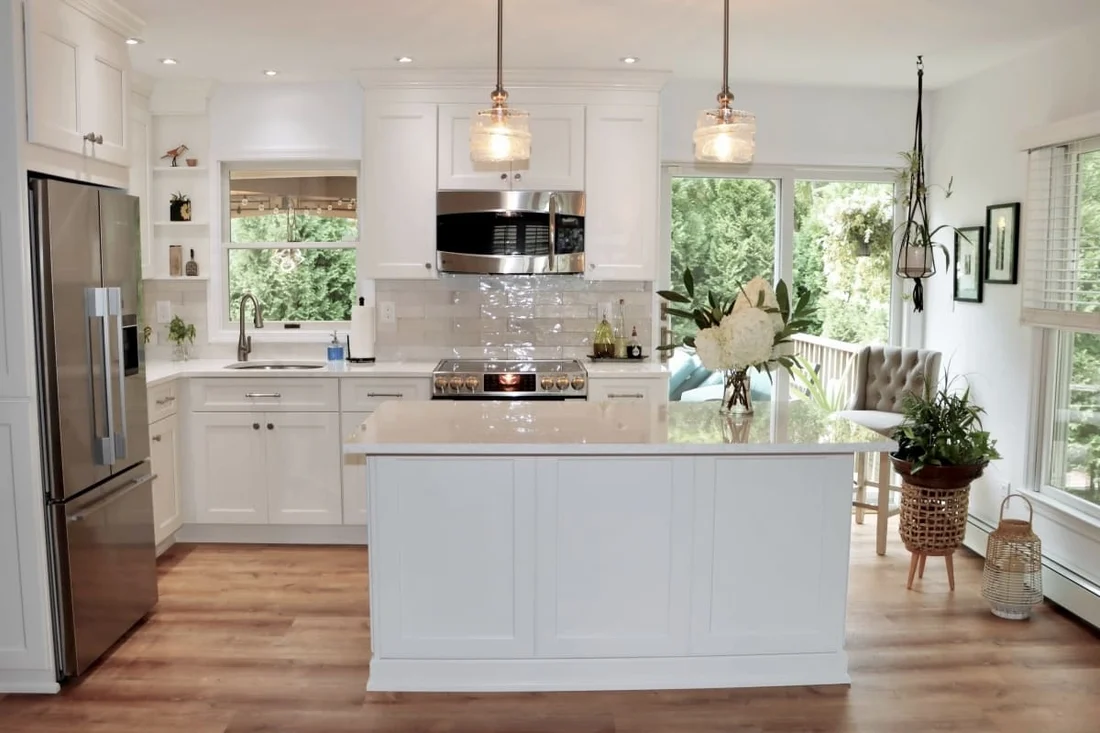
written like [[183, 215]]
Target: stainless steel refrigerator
[[94, 424]]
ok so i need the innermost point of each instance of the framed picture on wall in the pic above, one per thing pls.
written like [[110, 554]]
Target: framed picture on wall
[[1002, 229], [969, 264]]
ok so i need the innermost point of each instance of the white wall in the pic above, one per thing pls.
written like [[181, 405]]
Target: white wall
[[973, 134], [805, 126]]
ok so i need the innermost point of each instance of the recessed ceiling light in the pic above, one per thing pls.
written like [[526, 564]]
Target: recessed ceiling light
[[404, 59], [133, 41], [270, 72], [629, 59], [168, 62]]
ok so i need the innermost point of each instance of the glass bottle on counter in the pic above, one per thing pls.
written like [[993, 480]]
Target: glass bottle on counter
[[603, 340], [634, 348], [620, 331]]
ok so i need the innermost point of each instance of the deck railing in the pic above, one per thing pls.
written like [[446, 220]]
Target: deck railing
[[832, 359]]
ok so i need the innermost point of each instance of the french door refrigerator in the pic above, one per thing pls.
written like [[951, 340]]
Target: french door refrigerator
[[86, 257]]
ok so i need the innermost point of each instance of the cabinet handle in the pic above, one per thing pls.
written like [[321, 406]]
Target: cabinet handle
[[629, 396], [255, 426], [274, 395], [270, 426], [166, 401], [504, 176], [395, 395], [94, 139], [156, 438]]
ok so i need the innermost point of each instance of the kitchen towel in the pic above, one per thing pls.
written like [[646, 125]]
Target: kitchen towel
[[361, 337]]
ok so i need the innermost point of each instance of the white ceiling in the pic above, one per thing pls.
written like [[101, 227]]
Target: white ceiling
[[836, 42]]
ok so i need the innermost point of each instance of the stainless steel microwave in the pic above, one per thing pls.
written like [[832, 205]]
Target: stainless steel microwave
[[510, 232]]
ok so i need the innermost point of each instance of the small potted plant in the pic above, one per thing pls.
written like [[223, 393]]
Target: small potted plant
[[179, 208], [942, 448], [181, 334]]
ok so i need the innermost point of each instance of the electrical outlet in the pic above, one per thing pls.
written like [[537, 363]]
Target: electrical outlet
[[164, 311], [1006, 488], [387, 313]]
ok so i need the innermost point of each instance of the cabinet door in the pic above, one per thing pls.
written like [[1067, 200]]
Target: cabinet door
[[54, 32], [303, 468], [355, 473], [105, 94], [456, 170], [627, 390], [399, 173], [557, 151], [228, 467], [622, 173], [164, 454]]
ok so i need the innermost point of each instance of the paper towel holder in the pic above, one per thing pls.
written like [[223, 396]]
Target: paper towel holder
[[348, 351]]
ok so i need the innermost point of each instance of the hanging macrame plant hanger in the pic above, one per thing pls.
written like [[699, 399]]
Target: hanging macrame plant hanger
[[915, 257]]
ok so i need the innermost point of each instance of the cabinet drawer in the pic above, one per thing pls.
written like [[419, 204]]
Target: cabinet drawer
[[366, 394], [163, 401], [304, 394], [620, 390]]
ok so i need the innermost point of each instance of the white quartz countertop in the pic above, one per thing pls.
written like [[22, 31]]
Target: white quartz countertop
[[157, 372], [601, 428]]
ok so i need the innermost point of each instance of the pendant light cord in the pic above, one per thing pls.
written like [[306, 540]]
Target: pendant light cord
[[726, 49], [500, 47]]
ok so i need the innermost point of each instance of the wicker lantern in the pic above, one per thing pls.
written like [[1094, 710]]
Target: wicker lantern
[[1012, 581]]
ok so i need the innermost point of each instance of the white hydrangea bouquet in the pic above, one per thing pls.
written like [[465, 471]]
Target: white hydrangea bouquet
[[753, 330]]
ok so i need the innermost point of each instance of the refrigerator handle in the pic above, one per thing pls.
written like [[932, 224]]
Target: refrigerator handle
[[95, 306], [114, 308]]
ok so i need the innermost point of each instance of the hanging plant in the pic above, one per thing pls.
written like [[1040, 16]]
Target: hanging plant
[[916, 255]]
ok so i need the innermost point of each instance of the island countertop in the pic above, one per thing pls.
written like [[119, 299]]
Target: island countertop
[[446, 427]]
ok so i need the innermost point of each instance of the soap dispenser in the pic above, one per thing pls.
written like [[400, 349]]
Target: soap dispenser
[[336, 354]]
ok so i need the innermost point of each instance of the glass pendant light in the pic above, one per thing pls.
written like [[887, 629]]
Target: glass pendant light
[[500, 134], [725, 135]]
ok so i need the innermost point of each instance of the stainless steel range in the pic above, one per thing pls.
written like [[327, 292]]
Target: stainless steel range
[[473, 379]]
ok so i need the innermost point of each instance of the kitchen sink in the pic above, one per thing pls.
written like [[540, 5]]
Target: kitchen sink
[[274, 366]]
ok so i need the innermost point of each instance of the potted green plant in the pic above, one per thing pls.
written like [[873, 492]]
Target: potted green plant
[[179, 207], [182, 334]]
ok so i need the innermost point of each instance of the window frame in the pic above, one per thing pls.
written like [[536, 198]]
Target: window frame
[[223, 325]]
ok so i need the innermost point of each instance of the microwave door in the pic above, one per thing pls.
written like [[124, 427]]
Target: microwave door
[[70, 309], [121, 258]]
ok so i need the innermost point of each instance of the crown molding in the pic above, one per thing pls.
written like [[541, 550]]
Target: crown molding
[[588, 79], [110, 14], [141, 83], [1083, 127]]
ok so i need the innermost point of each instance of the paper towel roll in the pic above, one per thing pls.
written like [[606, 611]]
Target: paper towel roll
[[361, 336]]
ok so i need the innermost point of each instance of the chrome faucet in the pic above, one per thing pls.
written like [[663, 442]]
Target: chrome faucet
[[244, 343]]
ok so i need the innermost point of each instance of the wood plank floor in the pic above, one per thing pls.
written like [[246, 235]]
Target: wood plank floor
[[250, 639]]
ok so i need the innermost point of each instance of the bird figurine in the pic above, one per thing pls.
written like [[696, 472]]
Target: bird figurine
[[175, 154]]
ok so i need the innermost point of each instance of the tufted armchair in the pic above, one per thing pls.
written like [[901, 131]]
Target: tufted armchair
[[884, 375]]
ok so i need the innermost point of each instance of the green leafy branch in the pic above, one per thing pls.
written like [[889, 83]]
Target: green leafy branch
[[943, 428]]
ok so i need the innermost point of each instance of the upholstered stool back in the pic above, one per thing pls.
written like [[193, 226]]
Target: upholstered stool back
[[886, 374]]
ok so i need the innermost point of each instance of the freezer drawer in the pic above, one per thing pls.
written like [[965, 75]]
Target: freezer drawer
[[104, 542]]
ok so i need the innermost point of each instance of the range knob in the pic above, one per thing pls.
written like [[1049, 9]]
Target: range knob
[[456, 383], [562, 382], [472, 383], [578, 383], [441, 383], [547, 383]]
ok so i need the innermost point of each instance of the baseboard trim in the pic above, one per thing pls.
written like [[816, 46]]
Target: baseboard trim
[[579, 675], [166, 545], [14, 681], [1061, 586], [273, 534]]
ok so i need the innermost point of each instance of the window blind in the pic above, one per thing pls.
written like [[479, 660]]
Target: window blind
[[1061, 243]]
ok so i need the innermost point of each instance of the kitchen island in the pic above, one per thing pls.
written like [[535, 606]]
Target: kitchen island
[[595, 546]]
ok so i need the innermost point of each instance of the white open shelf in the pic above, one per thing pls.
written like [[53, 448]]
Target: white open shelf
[[180, 223], [179, 169], [174, 278]]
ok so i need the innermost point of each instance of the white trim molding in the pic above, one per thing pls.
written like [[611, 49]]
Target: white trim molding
[[1082, 127], [274, 534], [18, 681], [110, 14]]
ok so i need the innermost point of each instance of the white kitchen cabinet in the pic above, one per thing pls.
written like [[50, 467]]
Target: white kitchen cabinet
[[228, 461], [622, 181], [355, 473], [164, 455], [399, 188], [627, 390], [78, 83], [141, 183], [302, 464], [557, 152]]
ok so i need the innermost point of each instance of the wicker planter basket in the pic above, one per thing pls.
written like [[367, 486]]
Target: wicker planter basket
[[934, 506], [1012, 580]]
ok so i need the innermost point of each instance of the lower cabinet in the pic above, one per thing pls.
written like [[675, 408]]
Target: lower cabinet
[[355, 473], [266, 468], [164, 455], [627, 390]]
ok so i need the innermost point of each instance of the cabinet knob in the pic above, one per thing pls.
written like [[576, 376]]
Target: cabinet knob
[[255, 426], [427, 265], [504, 176], [156, 438], [270, 426], [94, 139], [592, 266], [517, 176]]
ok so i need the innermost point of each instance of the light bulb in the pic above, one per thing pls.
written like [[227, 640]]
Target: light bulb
[[500, 144], [723, 145]]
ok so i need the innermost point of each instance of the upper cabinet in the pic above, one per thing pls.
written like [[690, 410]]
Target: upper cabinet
[[557, 152], [622, 188], [78, 82], [398, 182]]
